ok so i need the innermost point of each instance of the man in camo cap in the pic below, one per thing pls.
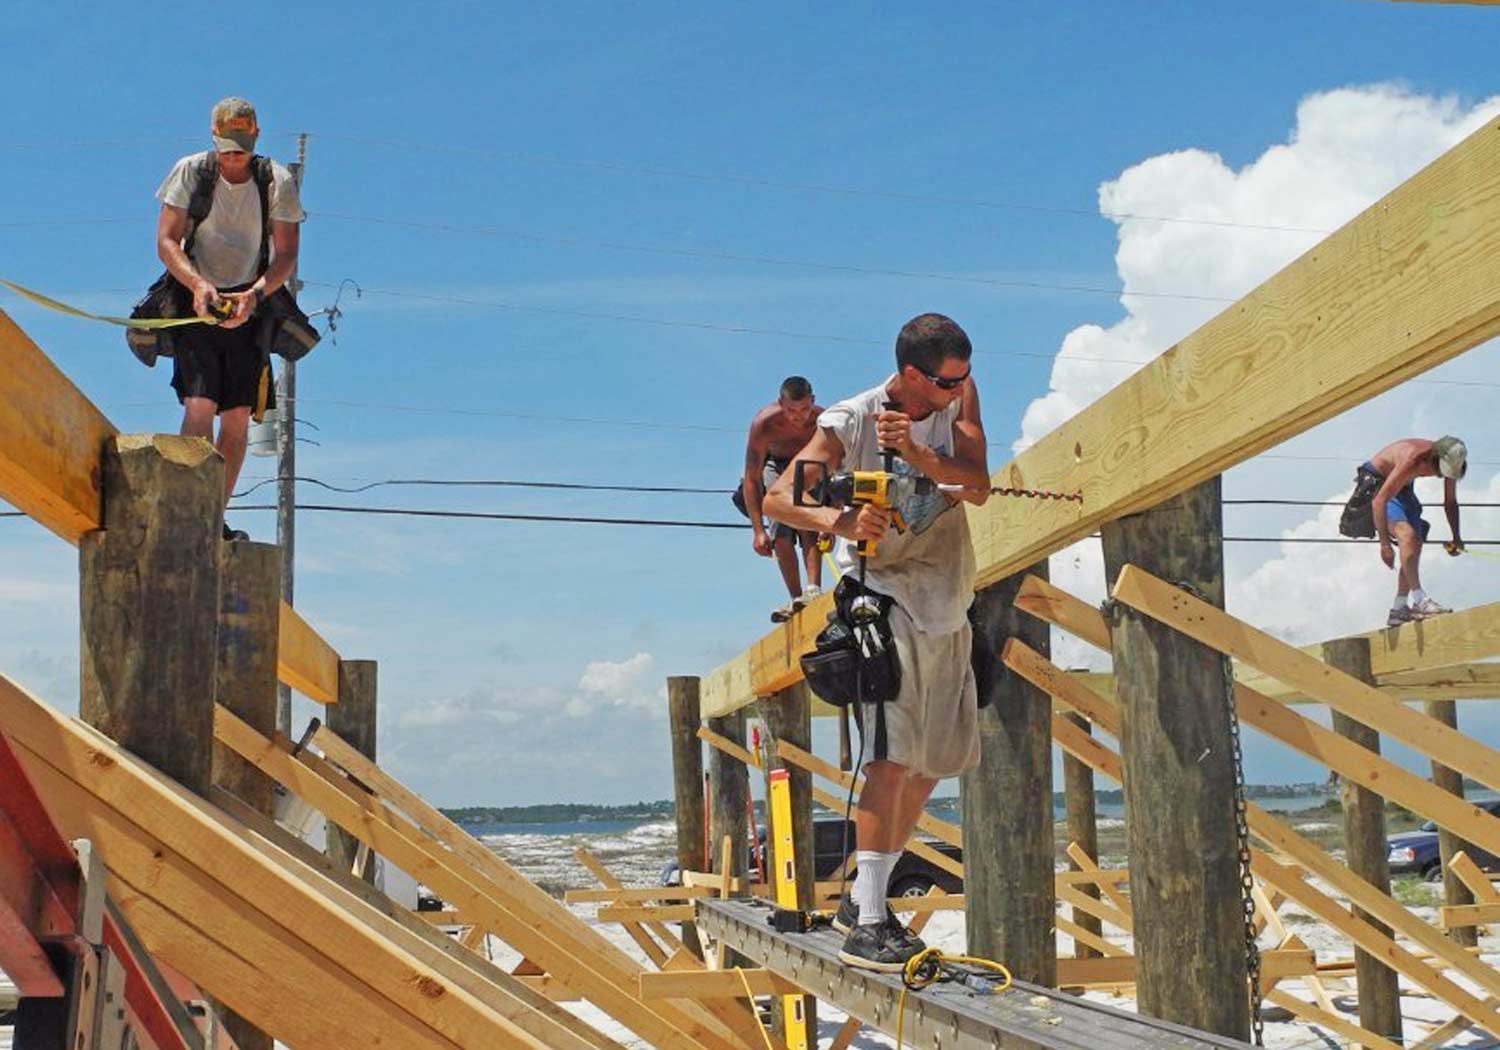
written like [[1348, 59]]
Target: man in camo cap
[[1385, 505], [228, 266]]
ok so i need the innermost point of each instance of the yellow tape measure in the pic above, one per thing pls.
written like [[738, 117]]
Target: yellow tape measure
[[125, 322], [1448, 546]]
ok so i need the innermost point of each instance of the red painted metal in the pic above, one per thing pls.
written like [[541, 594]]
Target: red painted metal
[[41, 886], [38, 881]]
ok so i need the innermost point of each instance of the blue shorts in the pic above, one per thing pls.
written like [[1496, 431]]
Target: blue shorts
[[1406, 507]]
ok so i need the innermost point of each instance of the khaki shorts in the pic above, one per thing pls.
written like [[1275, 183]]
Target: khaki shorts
[[932, 727]]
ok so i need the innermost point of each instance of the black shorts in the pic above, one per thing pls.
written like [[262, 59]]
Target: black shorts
[[224, 365]]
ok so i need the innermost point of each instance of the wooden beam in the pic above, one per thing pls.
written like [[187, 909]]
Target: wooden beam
[[1313, 860], [1456, 917], [495, 894], [175, 851], [657, 913], [1443, 647], [305, 661], [1303, 735], [715, 984], [467, 968], [1461, 682], [1214, 627], [1411, 282], [51, 438], [1276, 964], [528, 901]]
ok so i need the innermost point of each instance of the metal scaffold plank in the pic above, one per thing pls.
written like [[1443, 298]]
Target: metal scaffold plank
[[947, 1014]]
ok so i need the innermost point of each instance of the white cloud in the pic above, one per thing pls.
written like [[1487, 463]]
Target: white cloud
[[605, 677], [1347, 148]]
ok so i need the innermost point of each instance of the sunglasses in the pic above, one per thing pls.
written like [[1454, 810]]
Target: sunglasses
[[943, 382]]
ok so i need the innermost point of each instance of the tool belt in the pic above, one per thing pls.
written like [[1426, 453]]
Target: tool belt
[[855, 656], [1358, 519], [281, 326]]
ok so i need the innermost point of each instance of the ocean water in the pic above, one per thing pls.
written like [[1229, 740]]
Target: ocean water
[[637, 852]]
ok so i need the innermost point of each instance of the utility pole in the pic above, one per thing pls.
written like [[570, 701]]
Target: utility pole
[[286, 466]]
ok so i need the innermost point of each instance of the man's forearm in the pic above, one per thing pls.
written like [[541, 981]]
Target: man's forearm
[[779, 507], [276, 274], [178, 264], [750, 488]]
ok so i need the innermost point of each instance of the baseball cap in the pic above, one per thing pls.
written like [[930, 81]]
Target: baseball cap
[[234, 126], [1452, 457]]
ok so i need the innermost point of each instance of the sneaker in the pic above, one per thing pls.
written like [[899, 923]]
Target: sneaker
[[1427, 607], [783, 613], [234, 535], [846, 918], [877, 947]]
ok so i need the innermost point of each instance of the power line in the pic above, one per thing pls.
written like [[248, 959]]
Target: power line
[[666, 522], [615, 167], [763, 260], [440, 482]]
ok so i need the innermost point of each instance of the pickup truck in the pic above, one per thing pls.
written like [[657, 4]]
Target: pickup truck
[[1416, 852]]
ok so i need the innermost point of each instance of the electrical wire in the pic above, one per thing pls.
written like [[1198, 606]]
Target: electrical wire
[[665, 523], [763, 260], [436, 482], [654, 171]]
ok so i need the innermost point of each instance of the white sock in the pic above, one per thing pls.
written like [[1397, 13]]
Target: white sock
[[1399, 603], [1418, 596], [874, 873]]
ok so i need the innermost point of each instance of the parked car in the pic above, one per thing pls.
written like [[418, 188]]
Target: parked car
[[913, 876], [1416, 852]]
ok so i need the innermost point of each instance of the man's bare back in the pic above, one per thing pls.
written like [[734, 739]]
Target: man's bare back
[[1406, 459]]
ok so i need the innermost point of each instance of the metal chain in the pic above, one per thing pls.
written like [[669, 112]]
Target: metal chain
[[1247, 880], [1242, 838]]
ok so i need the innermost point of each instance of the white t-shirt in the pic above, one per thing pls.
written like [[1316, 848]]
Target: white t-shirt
[[226, 246], [929, 568]]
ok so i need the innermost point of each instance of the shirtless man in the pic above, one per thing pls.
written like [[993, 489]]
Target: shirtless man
[[777, 433], [1397, 513]]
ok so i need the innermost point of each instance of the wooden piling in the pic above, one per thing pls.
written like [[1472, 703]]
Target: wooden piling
[[245, 683], [687, 784], [729, 786], [1009, 889], [1365, 848], [245, 680], [1174, 696], [353, 719], [1455, 893], [149, 603], [1083, 828]]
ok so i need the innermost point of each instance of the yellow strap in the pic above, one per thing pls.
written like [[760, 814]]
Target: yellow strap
[[127, 322]]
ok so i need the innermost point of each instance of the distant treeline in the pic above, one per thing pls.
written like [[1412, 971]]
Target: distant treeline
[[665, 809]]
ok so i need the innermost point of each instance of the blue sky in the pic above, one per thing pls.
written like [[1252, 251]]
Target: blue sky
[[593, 155]]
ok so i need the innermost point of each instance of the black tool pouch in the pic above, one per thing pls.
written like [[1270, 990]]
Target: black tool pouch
[[287, 332], [838, 670], [1358, 519], [166, 298]]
